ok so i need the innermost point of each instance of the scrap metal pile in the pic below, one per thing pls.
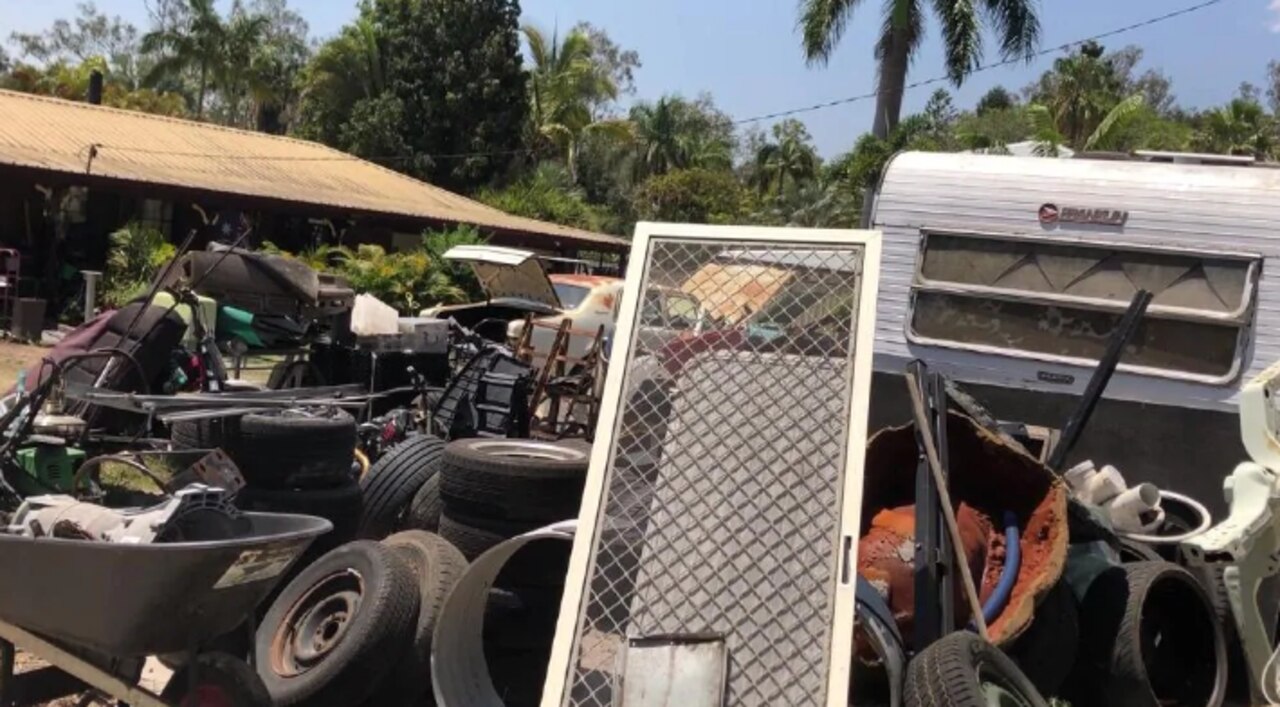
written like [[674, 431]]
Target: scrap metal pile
[[709, 525]]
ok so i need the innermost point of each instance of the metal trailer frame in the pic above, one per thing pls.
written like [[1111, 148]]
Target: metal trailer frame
[[841, 619]]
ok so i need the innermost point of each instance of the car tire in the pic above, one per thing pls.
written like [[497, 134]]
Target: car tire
[[516, 479], [341, 505], [326, 638], [958, 669], [216, 678], [543, 563], [208, 433], [424, 509], [1149, 637], [393, 481], [296, 449], [1047, 650], [437, 566]]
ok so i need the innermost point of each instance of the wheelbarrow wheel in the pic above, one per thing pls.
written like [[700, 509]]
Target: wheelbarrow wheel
[[216, 680], [962, 670], [327, 637]]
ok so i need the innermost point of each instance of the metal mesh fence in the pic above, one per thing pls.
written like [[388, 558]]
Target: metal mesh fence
[[722, 500]]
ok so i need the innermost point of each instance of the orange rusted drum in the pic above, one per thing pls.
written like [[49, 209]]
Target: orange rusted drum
[[987, 477]]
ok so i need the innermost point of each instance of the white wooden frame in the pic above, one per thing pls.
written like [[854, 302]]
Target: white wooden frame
[[555, 691]]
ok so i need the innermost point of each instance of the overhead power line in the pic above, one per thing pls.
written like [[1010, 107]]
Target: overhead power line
[[987, 67]]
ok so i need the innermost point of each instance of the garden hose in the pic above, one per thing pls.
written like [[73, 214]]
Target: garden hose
[[1009, 574]]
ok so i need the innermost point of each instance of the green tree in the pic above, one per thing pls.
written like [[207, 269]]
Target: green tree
[[787, 161], [675, 133], [822, 24], [89, 35], [137, 254], [547, 193], [345, 72], [1079, 92], [567, 83], [1273, 86], [998, 98], [455, 66], [994, 128], [693, 196], [200, 45], [1242, 127]]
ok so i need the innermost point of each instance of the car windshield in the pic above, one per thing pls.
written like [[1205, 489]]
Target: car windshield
[[571, 295]]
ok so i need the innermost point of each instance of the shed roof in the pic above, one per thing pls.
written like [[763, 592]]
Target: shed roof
[[53, 134]]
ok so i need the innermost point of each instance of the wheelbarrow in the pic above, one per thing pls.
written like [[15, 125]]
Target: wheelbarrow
[[94, 610]]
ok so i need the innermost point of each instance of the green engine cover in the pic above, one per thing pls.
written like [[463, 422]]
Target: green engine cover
[[48, 469]]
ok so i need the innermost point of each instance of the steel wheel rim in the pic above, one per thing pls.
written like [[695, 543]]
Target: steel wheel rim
[[316, 623], [529, 450]]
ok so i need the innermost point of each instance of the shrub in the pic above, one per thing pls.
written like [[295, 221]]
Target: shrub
[[137, 254]]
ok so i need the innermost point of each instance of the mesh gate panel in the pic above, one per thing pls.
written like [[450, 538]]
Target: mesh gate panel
[[721, 508]]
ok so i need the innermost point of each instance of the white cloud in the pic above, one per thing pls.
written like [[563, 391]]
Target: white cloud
[[1274, 23]]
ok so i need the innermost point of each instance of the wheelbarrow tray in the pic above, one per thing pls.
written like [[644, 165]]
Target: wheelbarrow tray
[[136, 600]]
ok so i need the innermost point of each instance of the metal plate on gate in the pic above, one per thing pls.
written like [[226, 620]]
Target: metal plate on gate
[[726, 478], [673, 671]]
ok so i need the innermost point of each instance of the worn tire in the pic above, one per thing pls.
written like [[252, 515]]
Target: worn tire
[[292, 449], [1149, 638], [424, 509], [210, 433], [347, 669], [392, 482], [230, 680], [951, 673], [1047, 651], [437, 566], [516, 479], [340, 505], [540, 564]]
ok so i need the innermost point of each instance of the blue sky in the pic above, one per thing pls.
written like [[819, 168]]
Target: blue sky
[[747, 53]]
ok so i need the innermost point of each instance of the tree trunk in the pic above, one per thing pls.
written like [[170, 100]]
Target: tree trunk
[[893, 80], [204, 72]]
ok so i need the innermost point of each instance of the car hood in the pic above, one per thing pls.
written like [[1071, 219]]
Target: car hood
[[507, 273]]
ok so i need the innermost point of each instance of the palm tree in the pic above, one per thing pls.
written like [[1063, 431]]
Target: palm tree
[[1080, 92], [565, 83], [822, 24], [1105, 136], [662, 148], [201, 45], [1242, 127], [673, 133], [790, 157]]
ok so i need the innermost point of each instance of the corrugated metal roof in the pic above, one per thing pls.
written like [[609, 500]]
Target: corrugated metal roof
[[53, 134]]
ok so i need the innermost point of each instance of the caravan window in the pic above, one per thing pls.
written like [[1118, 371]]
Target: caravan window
[[1061, 301]]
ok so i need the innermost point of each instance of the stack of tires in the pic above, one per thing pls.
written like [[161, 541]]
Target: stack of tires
[[293, 461], [402, 489], [355, 626], [493, 490], [496, 489]]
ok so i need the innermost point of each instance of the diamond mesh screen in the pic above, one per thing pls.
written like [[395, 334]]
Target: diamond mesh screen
[[721, 510]]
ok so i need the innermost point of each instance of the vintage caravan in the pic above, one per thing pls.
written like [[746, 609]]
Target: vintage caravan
[[1009, 273]]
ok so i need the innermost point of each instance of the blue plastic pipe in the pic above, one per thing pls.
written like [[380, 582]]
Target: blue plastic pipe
[[1009, 574]]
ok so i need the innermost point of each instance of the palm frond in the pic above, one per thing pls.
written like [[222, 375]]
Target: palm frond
[[1115, 120], [822, 24], [961, 36]]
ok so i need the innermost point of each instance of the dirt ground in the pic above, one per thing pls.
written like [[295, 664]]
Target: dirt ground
[[15, 357]]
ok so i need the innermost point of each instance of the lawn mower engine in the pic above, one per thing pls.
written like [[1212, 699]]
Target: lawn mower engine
[[196, 513]]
